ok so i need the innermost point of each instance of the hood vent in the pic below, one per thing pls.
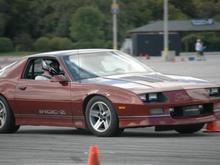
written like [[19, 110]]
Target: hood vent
[[149, 78]]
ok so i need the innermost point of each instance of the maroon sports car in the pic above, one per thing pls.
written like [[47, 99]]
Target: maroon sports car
[[103, 91]]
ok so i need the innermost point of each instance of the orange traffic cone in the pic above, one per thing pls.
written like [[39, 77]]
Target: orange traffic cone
[[93, 158], [212, 127]]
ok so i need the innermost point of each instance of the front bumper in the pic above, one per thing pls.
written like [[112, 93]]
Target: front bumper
[[139, 115], [144, 121]]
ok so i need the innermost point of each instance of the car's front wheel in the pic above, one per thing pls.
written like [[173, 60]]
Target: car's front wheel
[[189, 129], [101, 118], [7, 121]]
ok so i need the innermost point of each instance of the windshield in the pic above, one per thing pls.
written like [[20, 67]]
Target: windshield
[[99, 64]]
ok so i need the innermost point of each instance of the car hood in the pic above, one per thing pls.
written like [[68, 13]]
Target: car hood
[[140, 83]]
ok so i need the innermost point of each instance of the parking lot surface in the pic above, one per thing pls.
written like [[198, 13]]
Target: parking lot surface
[[142, 146]]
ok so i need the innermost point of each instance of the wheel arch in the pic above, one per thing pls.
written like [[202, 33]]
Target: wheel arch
[[113, 126], [2, 95], [6, 99], [10, 123], [89, 97]]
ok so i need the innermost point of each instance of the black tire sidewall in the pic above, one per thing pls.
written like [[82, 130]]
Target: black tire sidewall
[[113, 128], [9, 125], [189, 129]]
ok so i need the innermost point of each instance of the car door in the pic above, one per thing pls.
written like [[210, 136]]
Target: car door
[[42, 102]]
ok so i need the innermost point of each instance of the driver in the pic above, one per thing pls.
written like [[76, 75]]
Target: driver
[[50, 69]]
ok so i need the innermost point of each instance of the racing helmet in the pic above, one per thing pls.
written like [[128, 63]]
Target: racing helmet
[[52, 67]]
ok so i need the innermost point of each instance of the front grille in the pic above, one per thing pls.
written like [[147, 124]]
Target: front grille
[[192, 110]]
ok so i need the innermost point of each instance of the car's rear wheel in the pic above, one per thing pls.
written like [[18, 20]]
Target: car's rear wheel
[[101, 118], [7, 121], [189, 129]]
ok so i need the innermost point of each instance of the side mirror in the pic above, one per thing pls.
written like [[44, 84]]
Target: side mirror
[[59, 78]]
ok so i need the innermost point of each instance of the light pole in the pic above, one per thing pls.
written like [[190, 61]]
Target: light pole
[[166, 39], [115, 11]]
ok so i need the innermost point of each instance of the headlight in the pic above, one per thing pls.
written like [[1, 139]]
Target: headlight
[[143, 97], [214, 92], [152, 97]]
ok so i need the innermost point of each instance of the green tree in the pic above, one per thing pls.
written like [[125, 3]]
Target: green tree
[[133, 14], [89, 22], [4, 16], [187, 7], [21, 18], [3, 22], [53, 16], [87, 27], [6, 44]]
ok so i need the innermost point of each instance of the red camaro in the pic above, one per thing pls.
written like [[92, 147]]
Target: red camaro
[[103, 91]]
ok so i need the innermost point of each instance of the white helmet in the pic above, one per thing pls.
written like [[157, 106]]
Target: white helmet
[[50, 67]]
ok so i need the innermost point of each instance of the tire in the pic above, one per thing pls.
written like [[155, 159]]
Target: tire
[[189, 129], [82, 130], [7, 120], [101, 118], [120, 131]]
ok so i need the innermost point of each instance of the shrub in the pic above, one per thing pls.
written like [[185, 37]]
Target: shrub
[[6, 44], [23, 42], [52, 44], [65, 43], [59, 43], [42, 44]]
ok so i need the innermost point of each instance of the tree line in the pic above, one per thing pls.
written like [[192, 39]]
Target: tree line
[[44, 25]]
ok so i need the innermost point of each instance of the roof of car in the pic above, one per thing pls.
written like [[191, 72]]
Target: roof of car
[[67, 52]]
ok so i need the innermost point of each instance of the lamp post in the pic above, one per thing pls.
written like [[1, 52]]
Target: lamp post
[[166, 39], [115, 11]]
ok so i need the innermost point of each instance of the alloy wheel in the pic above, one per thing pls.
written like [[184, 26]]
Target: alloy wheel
[[100, 116], [2, 114]]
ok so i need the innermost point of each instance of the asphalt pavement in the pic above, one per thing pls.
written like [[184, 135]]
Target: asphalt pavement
[[142, 146], [66, 146], [208, 69]]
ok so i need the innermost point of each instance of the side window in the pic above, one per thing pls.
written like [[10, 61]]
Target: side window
[[33, 69]]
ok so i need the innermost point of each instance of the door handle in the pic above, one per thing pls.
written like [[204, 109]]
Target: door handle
[[22, 87]]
